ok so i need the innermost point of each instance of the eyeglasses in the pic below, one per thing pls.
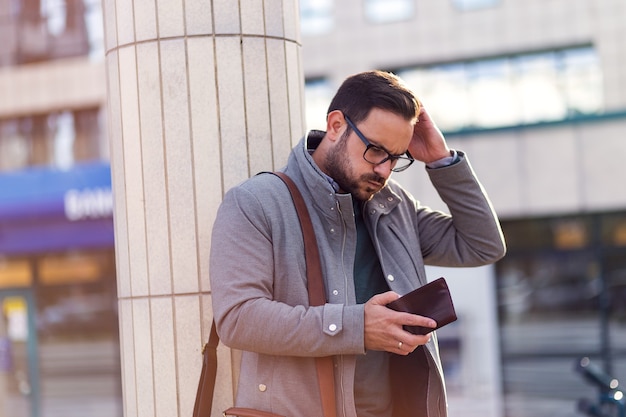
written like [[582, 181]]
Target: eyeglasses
[[376, 155]]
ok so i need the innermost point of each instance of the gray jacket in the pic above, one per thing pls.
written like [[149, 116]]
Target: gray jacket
[[259, 292]]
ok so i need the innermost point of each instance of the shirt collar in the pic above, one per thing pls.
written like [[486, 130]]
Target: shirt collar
[[313, 140]]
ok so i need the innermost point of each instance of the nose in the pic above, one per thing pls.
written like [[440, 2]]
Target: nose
[[384, 170]]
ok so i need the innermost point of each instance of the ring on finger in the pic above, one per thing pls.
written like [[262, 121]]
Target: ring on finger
[[399, 345]]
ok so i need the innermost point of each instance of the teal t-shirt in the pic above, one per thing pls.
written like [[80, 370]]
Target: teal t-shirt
[[372, 391], [368, 274]]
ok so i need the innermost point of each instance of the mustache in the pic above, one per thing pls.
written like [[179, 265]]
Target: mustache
[[374, 178]]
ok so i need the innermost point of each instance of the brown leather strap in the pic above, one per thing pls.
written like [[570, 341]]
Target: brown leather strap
[[317, 297], [326, 381], [317, 294], [206, 386], [315, 283], [248, 412]]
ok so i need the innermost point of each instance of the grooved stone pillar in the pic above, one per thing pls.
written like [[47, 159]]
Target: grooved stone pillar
[[201, 95]]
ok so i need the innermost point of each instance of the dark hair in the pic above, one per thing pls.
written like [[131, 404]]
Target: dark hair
[[362, 92]]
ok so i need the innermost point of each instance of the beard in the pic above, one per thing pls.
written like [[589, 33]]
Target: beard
[[339, 168]]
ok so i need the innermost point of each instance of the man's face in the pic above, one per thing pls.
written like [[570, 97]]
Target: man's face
[[345, 163]]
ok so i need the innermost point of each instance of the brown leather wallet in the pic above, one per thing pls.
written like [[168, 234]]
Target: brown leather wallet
[[430, 300]]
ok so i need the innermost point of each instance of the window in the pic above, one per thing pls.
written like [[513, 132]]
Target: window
[[318, 94], [95, 29], [474, 4], [386, 11], [510, 90], [444, 86], [14, 149], [57, 139], [42, 30], [538, 88], [316, 17], [582, 80], [62, 125]]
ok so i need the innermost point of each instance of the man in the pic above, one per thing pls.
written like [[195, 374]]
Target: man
[[374, 240]]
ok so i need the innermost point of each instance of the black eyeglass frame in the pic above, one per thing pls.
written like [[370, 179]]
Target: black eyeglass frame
[[390, 157]]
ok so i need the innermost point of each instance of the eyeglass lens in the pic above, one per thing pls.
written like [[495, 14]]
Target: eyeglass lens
[[375, 155]]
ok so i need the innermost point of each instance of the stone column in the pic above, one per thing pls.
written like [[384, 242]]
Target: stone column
[[201, 95]]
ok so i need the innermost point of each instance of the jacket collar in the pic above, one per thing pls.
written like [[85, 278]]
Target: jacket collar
[[320, 187]]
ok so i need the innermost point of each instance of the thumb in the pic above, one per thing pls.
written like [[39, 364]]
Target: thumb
[[384, 298]]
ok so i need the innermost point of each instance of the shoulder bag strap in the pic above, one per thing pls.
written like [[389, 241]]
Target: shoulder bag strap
[[317, 294], [317, 297], [206, 386]]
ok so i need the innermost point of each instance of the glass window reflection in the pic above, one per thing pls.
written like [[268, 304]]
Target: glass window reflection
[[316, 16], [511, 90], [385, 11], [318, 94], [474, 4]]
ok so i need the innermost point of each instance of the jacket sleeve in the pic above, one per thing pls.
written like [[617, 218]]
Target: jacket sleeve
[[259, 295], [470, 235]]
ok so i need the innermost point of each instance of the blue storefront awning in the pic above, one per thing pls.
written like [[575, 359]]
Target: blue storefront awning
[[44, 209]]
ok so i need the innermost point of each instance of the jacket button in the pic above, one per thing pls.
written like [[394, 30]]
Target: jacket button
[[390, 277], [332, 327], [335, 292], [262, 387]]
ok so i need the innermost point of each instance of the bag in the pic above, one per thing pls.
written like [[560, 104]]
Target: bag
[[206, 386], [315, 285]]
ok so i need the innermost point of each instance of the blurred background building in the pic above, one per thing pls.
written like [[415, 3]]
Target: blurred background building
[[59, 349], [532, 91]]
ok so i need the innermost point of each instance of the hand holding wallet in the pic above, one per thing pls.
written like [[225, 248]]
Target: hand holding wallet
[[431, 300]]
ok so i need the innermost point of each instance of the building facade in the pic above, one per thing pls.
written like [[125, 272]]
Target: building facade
[[59, 348], [533, 92]]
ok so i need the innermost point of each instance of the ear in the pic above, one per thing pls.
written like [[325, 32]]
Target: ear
[[335, 125]]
